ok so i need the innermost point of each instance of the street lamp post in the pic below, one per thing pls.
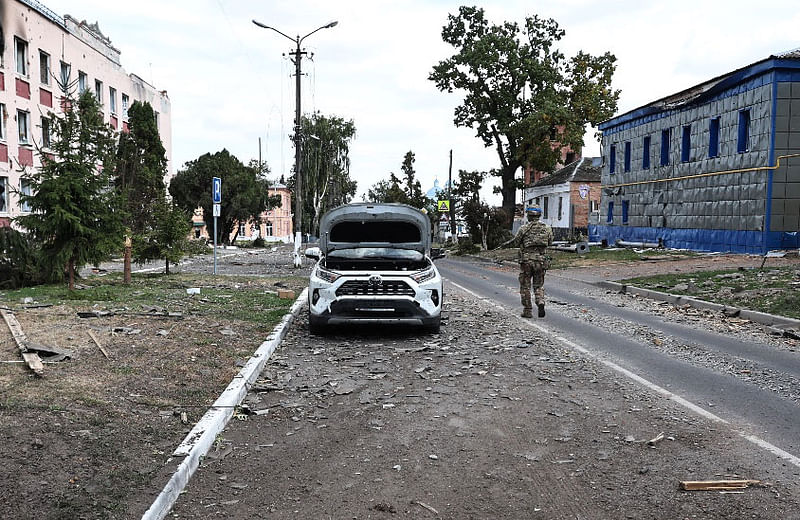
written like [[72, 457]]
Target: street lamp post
[[298, 205]]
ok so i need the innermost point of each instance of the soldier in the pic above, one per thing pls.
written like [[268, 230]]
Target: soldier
[[532, 239]]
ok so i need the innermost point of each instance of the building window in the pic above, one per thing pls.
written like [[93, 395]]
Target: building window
[[686, 143], [83, 82], [155, 114], [570, 157], [3, 194], [23, 124], [545, 208], [665, 135], [743, 142], [47, 132], [594, 206], [625, 211], [242, 229], [612, 159], [112, 99], [713, 137], [646, 152], [66, 72], [610, 217], [44, 67], [21, 53], [24, 189], [627, 159], [553, 133], [98, 90], [125, 102], [560, 207], [268, 229], [2, 122]]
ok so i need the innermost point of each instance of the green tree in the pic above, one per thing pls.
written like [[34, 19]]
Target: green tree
[[167, 238], [245, 194], [407, 190], [75, 214], [412, 187], [140, 168], [325, 165], [519, 90]]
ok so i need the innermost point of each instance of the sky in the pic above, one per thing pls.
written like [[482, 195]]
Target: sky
[[231, 83]]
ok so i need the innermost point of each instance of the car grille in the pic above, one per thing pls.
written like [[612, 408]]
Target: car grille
[[385, 288]]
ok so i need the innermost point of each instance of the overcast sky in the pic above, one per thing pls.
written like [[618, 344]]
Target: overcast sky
[[230, 83]]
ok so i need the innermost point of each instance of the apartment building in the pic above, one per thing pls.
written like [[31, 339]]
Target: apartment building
[[715, 167], [39, 51]]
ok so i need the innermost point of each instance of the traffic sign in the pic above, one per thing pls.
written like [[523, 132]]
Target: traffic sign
[[216, 190], [443, 205], [217, 208]]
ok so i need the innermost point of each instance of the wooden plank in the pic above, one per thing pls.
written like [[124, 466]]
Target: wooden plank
[[716, 485], [31, 358], [96, 342]]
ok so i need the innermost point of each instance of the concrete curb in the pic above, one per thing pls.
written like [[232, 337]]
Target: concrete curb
[[195, 446], [676, 299]]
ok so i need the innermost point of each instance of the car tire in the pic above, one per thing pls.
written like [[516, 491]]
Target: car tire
[[316, 327], [434, 326]]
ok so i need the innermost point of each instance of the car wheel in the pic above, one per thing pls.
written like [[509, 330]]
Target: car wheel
[[315, 325], [434, 326]]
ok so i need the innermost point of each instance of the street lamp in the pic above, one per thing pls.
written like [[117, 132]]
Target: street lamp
[[298, 56]]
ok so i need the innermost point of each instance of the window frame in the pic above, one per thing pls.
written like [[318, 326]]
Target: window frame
[[44, 71], [610, 215], [4, 184], [713, 137], [545, 207], [666, 136], [126, 100], [686, 143], [83, 82], [98, 91], [626, 160], [21, 67], [24, 189], [560, 207], [646, 141], [612, 159], [3, 136], [24, 116], [743, 137], [112, 99], [625, 207], [62, 68], [47, 132]]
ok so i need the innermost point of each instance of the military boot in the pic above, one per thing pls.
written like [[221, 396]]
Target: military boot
[[526, 313], [541, 310]]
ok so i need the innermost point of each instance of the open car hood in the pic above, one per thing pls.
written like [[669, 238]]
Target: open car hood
[[375, 225]]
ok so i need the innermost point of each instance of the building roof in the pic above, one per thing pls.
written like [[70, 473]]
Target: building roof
[[585, 169], [788, 59]]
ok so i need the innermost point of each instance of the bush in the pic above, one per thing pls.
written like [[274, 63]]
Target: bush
[[466, 247], [259, 242], [196, 247], [21, 262]]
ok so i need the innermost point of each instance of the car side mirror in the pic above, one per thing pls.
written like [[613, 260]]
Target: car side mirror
[[313, 253]]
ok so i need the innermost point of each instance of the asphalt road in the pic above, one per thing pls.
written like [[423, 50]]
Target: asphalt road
[[750, 409]]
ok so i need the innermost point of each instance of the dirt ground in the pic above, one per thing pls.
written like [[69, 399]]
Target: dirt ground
[[489, 422]]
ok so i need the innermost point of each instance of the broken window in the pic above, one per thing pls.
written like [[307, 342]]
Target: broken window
[[46, 133], [2, 122], [713, 137], [125, 101], [23, 125], [83, 82], [66, 71], [112, 99], [98, 90], [686, 144], [743, 141], [612, 159], [3, 194], [21, 54], [44, 67], [24, 189]]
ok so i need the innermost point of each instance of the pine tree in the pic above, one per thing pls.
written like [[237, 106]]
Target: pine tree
[[75, 215]]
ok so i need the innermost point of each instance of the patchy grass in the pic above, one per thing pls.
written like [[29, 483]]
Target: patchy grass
[[772, 290], [595, 256], [237, 298]]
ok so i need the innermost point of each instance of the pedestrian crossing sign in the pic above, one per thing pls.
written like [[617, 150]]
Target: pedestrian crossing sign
[[443, 205]]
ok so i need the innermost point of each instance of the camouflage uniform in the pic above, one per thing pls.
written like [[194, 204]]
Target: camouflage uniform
[[532, 239]]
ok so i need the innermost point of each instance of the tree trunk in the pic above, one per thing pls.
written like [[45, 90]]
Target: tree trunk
[[71, 270], [509, 192], [166, 268]]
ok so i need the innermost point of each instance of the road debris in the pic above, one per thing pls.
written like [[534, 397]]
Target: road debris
[[717, 485], [97, 342], [31, 358], [425, 506], [655, 440]]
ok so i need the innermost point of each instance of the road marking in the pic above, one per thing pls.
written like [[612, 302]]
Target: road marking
[[761, 443]]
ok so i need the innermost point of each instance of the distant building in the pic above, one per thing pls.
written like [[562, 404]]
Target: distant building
[[39, 50], [715, 167], [568, 196], [568, 156]]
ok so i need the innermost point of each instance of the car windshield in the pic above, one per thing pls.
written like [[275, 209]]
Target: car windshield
[[376, 253]]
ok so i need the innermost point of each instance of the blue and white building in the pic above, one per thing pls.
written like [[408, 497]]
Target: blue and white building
[[715, 167]]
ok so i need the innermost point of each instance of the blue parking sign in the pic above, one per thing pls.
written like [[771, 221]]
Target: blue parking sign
[[216, 190]]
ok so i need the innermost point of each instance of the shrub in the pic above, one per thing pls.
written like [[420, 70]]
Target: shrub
[[466, 247]]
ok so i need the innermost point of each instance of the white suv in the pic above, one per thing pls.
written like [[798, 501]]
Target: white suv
[[374, 266]]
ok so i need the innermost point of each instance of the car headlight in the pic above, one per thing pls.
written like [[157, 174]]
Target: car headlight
[[422, 276], [328, 276]]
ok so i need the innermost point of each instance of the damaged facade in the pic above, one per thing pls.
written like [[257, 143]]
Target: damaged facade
[[715, 167], [39, 51]]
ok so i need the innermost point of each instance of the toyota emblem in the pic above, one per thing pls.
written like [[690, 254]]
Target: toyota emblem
[[375, 280]]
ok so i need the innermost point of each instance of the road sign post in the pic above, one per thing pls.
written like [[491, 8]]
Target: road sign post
[[216, 199]]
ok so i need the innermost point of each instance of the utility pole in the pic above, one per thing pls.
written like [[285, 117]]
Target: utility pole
[[453, 228], [298, 182]]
